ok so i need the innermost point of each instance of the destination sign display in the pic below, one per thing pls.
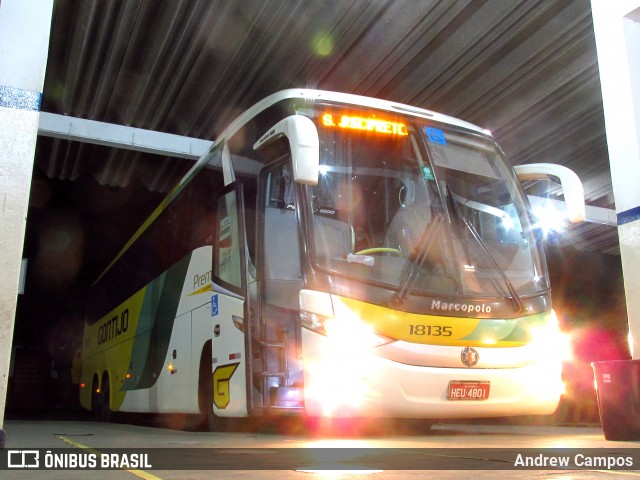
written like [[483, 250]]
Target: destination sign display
[[370, 124]]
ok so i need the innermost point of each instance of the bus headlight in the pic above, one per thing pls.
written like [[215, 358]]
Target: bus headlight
[[355, 331], [319, 313], [339, 371]]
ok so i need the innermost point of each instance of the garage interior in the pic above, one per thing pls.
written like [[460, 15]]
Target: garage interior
[[526, 70]]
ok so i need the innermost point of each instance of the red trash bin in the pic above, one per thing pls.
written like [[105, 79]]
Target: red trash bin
[[618, 388]]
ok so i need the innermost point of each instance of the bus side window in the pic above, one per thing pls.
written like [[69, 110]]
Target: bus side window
[[248, 163], [282, 279], [228, 255]]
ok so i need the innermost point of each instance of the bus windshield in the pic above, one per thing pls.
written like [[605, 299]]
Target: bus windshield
[[420, 207]]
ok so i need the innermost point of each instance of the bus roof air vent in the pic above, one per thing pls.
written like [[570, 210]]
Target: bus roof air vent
[[415, 111]]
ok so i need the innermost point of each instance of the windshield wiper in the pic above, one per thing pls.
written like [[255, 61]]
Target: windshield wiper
[[429, 236], [517, 301], [515, 297]]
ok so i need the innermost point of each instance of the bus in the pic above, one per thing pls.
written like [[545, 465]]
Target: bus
[[334, 255]]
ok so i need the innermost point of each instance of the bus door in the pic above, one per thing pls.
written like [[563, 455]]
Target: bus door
[[278, 374], [228, 305]]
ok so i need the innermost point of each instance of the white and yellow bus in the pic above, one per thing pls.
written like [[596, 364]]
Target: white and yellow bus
[[334, 255]]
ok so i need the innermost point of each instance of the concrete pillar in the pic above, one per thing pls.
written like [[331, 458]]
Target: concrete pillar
[[24, 45], [617, 30]]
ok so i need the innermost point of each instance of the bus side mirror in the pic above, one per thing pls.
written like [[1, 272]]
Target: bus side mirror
[[305, 146], [571, 185]]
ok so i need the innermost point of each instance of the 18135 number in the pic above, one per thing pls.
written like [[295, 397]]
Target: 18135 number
[[430, 330]]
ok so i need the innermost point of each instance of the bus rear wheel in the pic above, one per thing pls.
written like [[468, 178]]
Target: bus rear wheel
[[208, 419], [95, 397], [103, 412]]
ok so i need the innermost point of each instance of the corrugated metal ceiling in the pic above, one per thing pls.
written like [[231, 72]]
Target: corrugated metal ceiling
[[526, 70]]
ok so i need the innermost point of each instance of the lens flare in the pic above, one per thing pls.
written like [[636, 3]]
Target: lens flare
[[551, 347], [507, 222], [338, 380], [323, 44], [550, 219], [339, 377], [551, 344]]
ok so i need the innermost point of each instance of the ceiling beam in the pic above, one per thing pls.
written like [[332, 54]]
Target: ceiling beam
[[603, 216], [167, 144], [121, 136]]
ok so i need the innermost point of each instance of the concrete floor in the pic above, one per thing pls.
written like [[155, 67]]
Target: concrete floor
[[447, 451]]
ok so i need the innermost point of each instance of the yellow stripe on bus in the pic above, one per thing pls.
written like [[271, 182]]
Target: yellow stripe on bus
[[108, 345], [206, 288], [421, 328]]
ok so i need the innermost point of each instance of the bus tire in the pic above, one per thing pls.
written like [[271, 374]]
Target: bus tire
[[208, 421], [95, 398], [104, 406]]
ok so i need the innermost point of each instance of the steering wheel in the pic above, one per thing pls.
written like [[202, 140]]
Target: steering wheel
[[367, 251]]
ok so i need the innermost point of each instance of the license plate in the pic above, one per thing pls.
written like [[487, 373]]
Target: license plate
[[461, 390]]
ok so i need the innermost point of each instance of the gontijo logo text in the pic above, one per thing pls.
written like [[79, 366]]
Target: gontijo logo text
[[113, 327]]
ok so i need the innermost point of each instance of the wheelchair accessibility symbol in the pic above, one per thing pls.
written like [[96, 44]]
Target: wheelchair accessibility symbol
[[435, 135], [214, 305]]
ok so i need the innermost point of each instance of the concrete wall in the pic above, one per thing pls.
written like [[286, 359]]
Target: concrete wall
[[617, 31], [24, 45]]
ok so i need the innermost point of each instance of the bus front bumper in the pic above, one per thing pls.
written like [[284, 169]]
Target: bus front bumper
[[348, 384]]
